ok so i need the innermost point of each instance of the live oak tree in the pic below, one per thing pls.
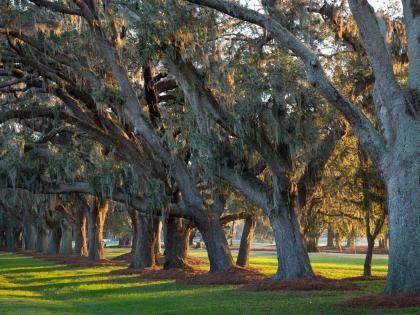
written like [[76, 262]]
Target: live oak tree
[[393, 146]]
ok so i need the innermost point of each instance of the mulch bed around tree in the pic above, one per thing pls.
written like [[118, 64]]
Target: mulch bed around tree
[[365, 278], [235, 275], [70, 260], [303, 284], [383, 300], [192, 261], [157, 273]]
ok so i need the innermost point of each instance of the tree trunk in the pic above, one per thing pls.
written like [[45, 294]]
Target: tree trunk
[[42, 238], [79, 229], [176, 242], [191, 237], [330, 237], [66, 238], [29, 231], [246, 239], [367, 270], [96, 220], [144, 252], [214, 237], [404, 231], [134, 224], [311, 244], [158, 247], [11, 239], [54, 240], [2, 239], [293, 260]]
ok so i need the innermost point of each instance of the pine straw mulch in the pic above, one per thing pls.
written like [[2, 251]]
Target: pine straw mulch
[[316, 283], [191, 261], [235, 275], [157, 273], [383, 300], [73, 261], [365, 278]]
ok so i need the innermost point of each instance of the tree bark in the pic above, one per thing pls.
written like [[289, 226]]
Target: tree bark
[[404, 223], [54, 240], [214, 237], [79, 228], [42, 238], [330, 237], [293, 260], [144, 252], [176, 242], [246, 239], [367, 269], [158, 247], [134, 224], [29, 231], [12, 235], [96, 220], [66, 238], [311, 244]]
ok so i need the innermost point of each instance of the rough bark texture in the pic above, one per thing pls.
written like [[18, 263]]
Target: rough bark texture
[[66, 238], [42, 239], [246, 239], [367, 268], [133, 217], [54, 240], [293, 260], [29, 231], [96, 220], [404, 223], [79, 229], [214, 237], [144, 252], [176, 242], [12, 236]]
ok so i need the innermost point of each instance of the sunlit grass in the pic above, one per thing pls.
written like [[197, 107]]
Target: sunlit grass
[[33, 286]]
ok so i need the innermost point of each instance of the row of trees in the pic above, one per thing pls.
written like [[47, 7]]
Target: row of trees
[[174, 109]]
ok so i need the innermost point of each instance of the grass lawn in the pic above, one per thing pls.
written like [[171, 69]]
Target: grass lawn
[[33, 286]]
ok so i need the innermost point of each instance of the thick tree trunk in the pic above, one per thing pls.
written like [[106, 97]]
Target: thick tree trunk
[[134, 225], [214, 237], [29, 231], [367, 270], [79, 228], [404, 227], [42, 238], [12, 236], [54, 240], [96, 220], [293, 260], [144, 252], [176, 242], [66, 238], [311, 244], [246, 239], [330, 237]]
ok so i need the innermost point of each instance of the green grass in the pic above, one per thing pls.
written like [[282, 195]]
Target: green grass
[[33, 286]]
